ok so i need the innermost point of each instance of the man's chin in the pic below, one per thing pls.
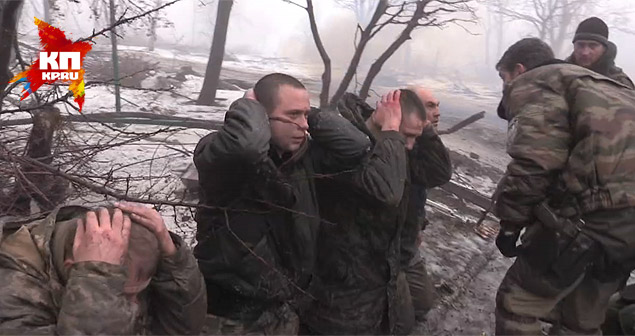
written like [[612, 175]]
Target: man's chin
[[292, 148]]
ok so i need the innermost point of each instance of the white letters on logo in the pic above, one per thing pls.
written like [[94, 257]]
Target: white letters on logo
[[73, 56], [48, 59]]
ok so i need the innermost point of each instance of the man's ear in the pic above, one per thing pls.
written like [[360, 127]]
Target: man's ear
[[519, 69]]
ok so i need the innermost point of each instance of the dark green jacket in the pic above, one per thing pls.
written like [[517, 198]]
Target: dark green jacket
[[431, 167], [37, 296], [357, 284], [271, 207]]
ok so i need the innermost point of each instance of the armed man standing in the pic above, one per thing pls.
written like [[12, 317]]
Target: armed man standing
[[570, 185]]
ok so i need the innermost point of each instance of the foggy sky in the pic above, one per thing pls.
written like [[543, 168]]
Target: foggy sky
[[275, 28]]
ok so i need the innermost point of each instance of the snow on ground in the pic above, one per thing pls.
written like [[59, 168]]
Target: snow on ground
[[472, 312]]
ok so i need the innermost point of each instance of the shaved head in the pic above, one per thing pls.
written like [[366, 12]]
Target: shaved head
[[430, 102]]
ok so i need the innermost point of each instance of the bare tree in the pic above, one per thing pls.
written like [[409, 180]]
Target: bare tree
[[24, 151], [152, 29], [410, 14], [115, 55], [8, 31], [552, 20], [424, 13], [215, 61], [494, 29], [326, 60], [46, 4]]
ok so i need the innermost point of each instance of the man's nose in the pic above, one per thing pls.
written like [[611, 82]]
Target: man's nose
[[303, 124]]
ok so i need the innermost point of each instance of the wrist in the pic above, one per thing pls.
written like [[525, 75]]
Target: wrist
[[390, 127], [167, 245]]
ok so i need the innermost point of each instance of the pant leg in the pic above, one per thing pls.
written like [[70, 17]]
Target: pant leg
[[523, 298], [584, 310], [281, 320], [404, 313], [421, 289], [611, 325]]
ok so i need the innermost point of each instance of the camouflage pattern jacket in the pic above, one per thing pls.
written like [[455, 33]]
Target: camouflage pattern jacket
[[260, 253], [37, 295], [606, 66], [570, 129]]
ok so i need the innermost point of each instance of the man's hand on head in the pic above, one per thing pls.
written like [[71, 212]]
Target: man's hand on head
[[249, 94], [387, 116], [102, 238], [153, 221]]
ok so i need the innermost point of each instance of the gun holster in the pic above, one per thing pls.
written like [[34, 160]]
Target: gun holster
[[566, 250]]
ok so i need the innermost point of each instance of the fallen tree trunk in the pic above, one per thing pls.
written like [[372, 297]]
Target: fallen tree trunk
[[137, 118], [467, 194], [470, 120]]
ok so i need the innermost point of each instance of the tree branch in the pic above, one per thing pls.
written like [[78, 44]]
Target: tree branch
[[123, 20], [296, 4]]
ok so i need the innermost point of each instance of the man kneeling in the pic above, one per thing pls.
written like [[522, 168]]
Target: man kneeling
[[99, 272]]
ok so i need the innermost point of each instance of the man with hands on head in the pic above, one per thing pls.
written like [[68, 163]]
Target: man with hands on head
[[358, 284], [431, 167], [110, 271], [258, 221]]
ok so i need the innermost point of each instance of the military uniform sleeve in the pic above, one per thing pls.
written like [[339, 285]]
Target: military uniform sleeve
[[341, 144], [382, 174], [244, 137], [430, 160], [92, 303], [178, 295], [238, 154], [538, 142]]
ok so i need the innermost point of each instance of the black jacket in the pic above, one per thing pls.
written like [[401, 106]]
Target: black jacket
[[258, 228], [357, 283]]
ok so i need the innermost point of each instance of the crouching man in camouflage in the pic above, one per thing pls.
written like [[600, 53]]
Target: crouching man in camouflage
[[570, 184], [107, 272]]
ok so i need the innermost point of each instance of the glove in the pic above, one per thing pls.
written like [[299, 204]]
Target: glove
[[506, 242]]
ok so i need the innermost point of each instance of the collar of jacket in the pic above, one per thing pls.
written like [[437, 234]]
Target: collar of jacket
[[605, 63], [357, 111], [289, 158]]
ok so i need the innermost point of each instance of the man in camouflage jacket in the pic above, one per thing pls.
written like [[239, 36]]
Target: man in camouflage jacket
[[572, 141], [50, 285]]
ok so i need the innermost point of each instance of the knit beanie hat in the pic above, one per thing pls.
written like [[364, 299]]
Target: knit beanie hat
[[593, 29]]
